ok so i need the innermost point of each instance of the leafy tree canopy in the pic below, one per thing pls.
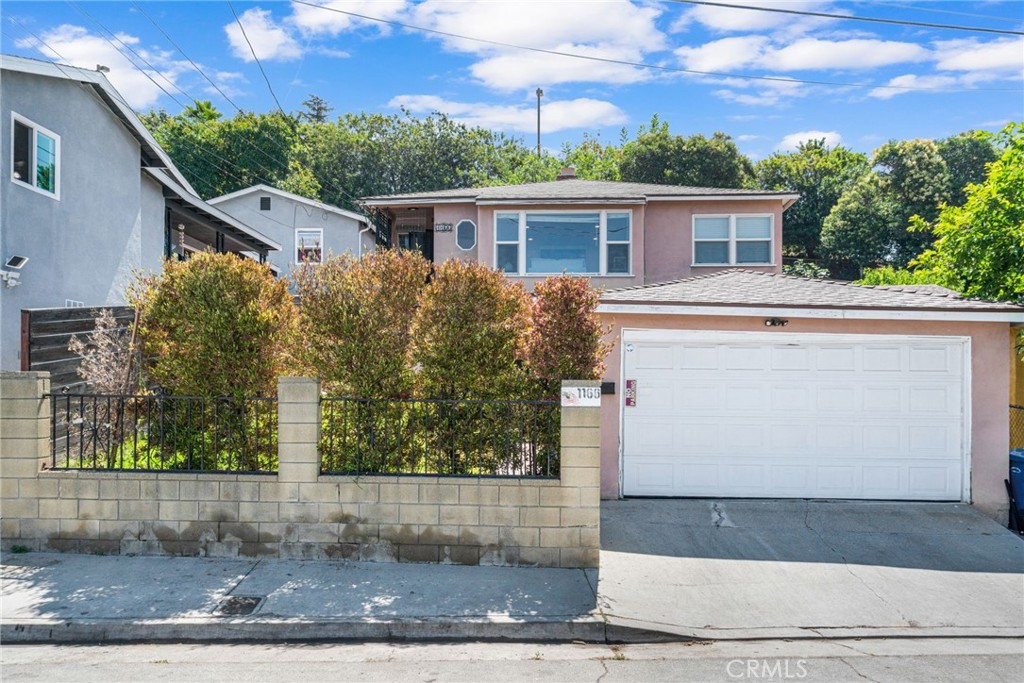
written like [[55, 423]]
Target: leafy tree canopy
[[820, 175], [658, 156], [979, 247], [869, 225]]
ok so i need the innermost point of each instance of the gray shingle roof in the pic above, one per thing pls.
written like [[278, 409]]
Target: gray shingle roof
[[749, 288], [576, 189]]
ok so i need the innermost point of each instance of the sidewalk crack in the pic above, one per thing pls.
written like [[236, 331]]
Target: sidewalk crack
[[244, 577], [849, 569], [854, 670]]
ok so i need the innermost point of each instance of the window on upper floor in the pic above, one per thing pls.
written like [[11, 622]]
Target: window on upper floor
[[553, 242], [309, 245], [35, 156], [264, 203], [733, 240]]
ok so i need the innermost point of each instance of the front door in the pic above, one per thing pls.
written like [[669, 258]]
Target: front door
[[418, 240]]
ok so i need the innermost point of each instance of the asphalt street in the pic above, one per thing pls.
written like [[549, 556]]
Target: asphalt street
[[880, 660]]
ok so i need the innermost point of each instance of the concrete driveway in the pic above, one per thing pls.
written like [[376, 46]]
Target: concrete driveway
[[809, 568]]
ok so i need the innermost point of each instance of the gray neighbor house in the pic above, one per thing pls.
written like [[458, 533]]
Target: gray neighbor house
[[87, 197], [307, 230]]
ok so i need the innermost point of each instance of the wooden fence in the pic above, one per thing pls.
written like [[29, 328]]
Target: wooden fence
[[46, 333]]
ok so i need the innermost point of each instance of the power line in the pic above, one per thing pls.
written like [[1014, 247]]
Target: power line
[[178, 48], [258, 63], [643, 65], [268, 173], [935, 10], [849, 17], [196, 145]]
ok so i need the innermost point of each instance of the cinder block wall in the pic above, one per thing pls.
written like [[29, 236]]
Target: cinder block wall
[[297, 513]]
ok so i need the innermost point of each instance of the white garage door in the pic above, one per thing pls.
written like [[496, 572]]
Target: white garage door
[[793, 415]]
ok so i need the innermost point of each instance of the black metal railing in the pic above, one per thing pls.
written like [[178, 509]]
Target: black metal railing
[[160, 432], [1016, 426], [440, 437]]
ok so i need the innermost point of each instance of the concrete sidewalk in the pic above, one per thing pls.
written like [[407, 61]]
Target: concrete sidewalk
[[64, 597], [670, 570]]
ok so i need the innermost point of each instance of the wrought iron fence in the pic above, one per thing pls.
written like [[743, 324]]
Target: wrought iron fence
[[440, 437], [1016, 426], [160, 432]]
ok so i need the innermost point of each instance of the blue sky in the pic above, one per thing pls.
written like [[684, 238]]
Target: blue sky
[[915, 81]]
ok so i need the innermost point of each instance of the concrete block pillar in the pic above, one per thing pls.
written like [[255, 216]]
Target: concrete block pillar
[[24, 443], [581, 471], [298, 429]]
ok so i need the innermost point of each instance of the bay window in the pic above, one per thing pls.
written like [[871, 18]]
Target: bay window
[[554, 242]]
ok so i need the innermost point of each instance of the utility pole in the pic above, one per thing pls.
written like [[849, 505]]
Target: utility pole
[[540, 93]]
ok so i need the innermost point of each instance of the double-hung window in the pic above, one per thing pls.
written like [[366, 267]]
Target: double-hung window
[[309, 245], [733, 240], [35, 156], [553, 242]]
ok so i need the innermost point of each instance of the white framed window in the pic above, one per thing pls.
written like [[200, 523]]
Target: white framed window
[[465, 235], [554, 242], [35, 156], [309, 245], [733, 239]]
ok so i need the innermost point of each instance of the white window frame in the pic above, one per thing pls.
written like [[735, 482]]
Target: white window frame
[[476, 234], [732, 239], [295, 254], [602, 241], [36, 129]]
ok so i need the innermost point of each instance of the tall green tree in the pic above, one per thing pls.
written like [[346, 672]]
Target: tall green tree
[[220, 155], [658, 156], [979, 247], [869, 225], [315, 110], [820, 175], [966, 155], [593, 160]]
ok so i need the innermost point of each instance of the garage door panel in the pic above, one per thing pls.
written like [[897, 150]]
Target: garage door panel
[[836, 359], [745, 357], [933, 359], [698, 357], [771, 418], [791, 358], [789, 398], [882, 359]]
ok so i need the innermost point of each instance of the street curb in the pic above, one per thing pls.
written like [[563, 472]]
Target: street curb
[[670, 632], [283, 630]]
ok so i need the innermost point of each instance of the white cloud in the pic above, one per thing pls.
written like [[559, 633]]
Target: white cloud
[[807, 54], [1003, 54], [612, 30], [723, 55], [766, 94], [811, 54], [748, 138], [270, 41], [514, 71], [75, 46], [790, 142], [314, 21], [556, 115], [908, 82], [725, 19]]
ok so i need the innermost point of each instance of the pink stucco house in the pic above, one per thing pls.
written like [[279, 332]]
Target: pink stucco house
[[618, 234], [730, 379]]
